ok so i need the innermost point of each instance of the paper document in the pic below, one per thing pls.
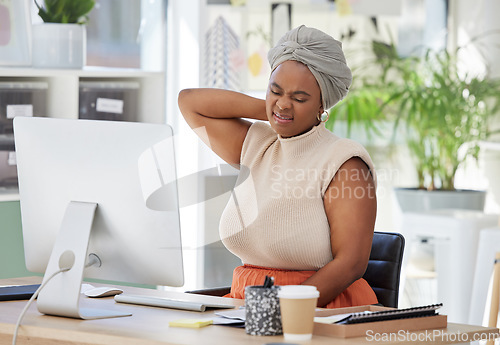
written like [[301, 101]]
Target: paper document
[[235, 318], [335, 318]]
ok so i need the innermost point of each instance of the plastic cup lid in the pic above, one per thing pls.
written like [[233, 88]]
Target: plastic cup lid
[[298, 291]]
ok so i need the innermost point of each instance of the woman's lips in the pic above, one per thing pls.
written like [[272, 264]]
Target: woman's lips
[[280, 118]]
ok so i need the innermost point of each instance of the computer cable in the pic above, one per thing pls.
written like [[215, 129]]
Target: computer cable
[[35, 295]]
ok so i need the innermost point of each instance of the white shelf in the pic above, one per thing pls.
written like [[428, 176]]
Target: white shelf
[[62, 99], [63, 93], [87, 71]]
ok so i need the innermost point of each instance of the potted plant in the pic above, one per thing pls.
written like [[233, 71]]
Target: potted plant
[[361, 115], [60, 42], [444, 114], [447, 113], [364, 113]]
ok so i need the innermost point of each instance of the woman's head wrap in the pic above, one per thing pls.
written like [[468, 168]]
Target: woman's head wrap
[[322, 54]]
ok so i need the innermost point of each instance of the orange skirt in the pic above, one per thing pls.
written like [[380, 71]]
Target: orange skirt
[[358, 293]]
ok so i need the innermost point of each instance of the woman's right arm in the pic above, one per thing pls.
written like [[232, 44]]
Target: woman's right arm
[[220, 112]]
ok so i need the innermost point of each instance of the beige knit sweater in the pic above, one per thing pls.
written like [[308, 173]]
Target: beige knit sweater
[[275, 216]]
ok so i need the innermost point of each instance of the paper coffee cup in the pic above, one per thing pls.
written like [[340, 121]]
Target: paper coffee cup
[[298, 304]]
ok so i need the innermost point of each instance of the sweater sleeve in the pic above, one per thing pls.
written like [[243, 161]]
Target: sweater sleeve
[[345, 149]]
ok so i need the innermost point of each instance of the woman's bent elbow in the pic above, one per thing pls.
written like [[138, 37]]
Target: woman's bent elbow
[[358, 269], [182, 96]]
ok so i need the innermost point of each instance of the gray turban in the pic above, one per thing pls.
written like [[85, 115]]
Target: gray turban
[[322, 54]]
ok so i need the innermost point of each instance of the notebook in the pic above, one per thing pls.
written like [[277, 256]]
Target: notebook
[[17, 292], [428, 310]]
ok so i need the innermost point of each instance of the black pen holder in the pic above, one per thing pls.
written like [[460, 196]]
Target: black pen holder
[[262, 308]]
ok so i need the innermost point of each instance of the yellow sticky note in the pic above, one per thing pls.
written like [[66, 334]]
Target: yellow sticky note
[[190, 323]]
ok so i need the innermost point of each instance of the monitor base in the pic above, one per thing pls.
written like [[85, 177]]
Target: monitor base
[[61, 294]]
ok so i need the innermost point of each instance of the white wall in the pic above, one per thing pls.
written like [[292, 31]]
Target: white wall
[[470, 19], [475, 18], [183, 37]]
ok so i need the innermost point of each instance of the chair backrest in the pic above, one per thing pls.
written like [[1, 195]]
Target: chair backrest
[[384, 267]]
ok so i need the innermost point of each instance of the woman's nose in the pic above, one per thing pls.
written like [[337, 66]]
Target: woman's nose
[[282, 104]]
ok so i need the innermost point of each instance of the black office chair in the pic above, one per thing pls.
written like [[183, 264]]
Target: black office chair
[[384, 267], [382, 274]]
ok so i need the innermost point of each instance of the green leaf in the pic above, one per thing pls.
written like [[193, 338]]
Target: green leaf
[[65, 11]]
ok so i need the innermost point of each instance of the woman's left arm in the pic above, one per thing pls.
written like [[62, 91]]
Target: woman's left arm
[[351, 207]]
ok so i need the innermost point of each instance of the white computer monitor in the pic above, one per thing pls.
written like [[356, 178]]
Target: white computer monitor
[[97, 188]]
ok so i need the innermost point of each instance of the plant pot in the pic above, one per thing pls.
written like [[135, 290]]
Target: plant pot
[[58, 45], [419, 200]]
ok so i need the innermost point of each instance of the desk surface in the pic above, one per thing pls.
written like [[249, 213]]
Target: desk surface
[[149, 325]]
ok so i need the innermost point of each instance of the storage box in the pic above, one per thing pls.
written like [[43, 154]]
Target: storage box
[[8, 169], [106, 100], [21, 99], [364, 329]]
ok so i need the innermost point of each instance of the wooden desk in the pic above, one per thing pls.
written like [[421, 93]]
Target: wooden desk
[[149, 326]]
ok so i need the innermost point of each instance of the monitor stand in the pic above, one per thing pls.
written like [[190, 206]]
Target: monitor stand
[[61, 295]]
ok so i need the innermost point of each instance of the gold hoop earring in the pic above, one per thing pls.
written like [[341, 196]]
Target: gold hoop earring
[[323, 117]]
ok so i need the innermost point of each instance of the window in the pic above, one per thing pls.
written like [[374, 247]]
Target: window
[[128, 34], [113, 34]]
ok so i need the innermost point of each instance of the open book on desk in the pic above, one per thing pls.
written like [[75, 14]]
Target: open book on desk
[[383, 315], [173, 303]]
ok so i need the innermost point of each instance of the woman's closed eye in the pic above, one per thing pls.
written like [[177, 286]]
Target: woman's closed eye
[[296, 96]]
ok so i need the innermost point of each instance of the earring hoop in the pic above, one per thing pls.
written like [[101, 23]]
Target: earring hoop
[[323, 117]]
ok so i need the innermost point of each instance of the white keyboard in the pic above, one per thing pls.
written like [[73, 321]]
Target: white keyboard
[[163, 302]]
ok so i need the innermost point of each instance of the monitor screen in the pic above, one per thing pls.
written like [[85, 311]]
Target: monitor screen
[[117, 177]]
